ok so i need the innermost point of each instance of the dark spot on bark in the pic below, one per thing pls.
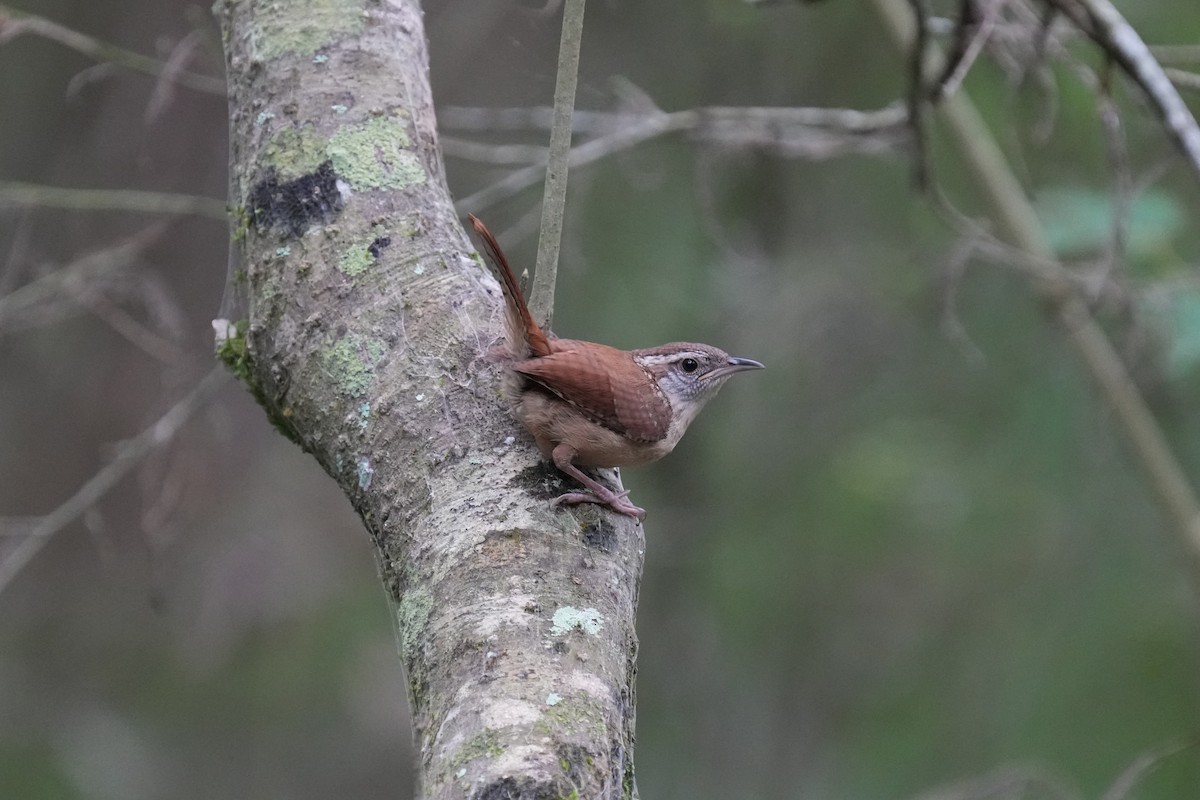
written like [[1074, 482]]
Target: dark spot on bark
[[541, 480], [561, 648], [374, 247], [598, 534], [509, 788], [575, 761], [295, 206]]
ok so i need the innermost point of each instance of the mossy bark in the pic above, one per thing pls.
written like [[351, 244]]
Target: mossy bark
[[366, 333]]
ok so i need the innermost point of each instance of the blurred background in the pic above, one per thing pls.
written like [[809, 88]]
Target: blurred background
[[913, 555]]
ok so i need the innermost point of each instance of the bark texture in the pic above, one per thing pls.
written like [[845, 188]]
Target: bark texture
[[365, 338]]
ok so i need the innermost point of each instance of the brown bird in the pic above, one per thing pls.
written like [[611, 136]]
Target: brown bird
[[591, 405]]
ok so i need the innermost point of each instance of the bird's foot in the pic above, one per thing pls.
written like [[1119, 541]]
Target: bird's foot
[[617, 502]]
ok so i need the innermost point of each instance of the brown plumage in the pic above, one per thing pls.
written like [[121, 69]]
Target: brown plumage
[[527, 330], [593, 405]]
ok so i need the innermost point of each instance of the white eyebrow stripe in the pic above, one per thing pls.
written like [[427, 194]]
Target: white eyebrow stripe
[[671, 358]]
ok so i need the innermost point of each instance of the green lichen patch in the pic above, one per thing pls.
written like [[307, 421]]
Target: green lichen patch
[[231, 348], [278, 29], [295, 151], [375, 154], [412, 616], [568, 618], [576, 714], [356, 260], [485, 745], [350, 362]]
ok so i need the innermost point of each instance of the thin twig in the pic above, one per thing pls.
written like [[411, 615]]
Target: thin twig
[[1184, 53], [917, 92], [979, 30], [1122, 190], [808, 132], [16, 193], [1020, 225], [14, 22], [1141, 766], [554, 200], [1103, 23], [502, 154], [128, 455], [594, 150], [74, 280], [1182, 78]]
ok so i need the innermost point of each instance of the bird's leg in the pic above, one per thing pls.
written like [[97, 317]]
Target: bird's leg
[[563, 455]]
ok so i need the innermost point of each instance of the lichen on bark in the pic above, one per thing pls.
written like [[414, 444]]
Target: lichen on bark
[[366, 339]]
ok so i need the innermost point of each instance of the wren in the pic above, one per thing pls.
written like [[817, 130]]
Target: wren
[[591, 405]]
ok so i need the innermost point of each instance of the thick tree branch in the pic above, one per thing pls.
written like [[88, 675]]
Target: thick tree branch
[[366, 341]]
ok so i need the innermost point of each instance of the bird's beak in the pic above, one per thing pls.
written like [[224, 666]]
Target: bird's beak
[[733, 365]]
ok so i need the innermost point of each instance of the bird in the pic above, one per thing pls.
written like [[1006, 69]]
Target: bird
[[592, 405]]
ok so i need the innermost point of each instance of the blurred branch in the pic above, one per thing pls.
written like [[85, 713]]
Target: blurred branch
[[87, 275], [128, 455], [14, 23], [554, 198], [17, 193], [1143, 765], [1183, 78], [1020, 225], [790, 132], [506, 155], [1186, 53], [1006, 782], [1101, 21]]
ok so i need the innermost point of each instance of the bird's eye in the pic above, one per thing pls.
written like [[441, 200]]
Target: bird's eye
[[689, 365]]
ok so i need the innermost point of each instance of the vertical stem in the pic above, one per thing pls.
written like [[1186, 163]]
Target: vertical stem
[[541, 302]]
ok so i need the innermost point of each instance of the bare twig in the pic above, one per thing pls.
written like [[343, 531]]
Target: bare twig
[[1018, 781], [1182, 53], [917, 91], [75, 281], [1101, 21], [973, 35], [1144, 764], [14, 23], [128, 455], [1122, 190], [164, 90], [554, 200], [1020, 225], [501, 154], [1183, 78], [805, 132], [16, 193]]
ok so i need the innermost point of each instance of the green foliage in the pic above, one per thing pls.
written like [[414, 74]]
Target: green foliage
[[1183, 351], [1081, 222]]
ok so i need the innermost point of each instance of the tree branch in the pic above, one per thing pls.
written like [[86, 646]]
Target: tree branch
[[1020, 225], [790, 132], [128, 455], [14, 23], [16, 193], [366, 341], [1100, 20]]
